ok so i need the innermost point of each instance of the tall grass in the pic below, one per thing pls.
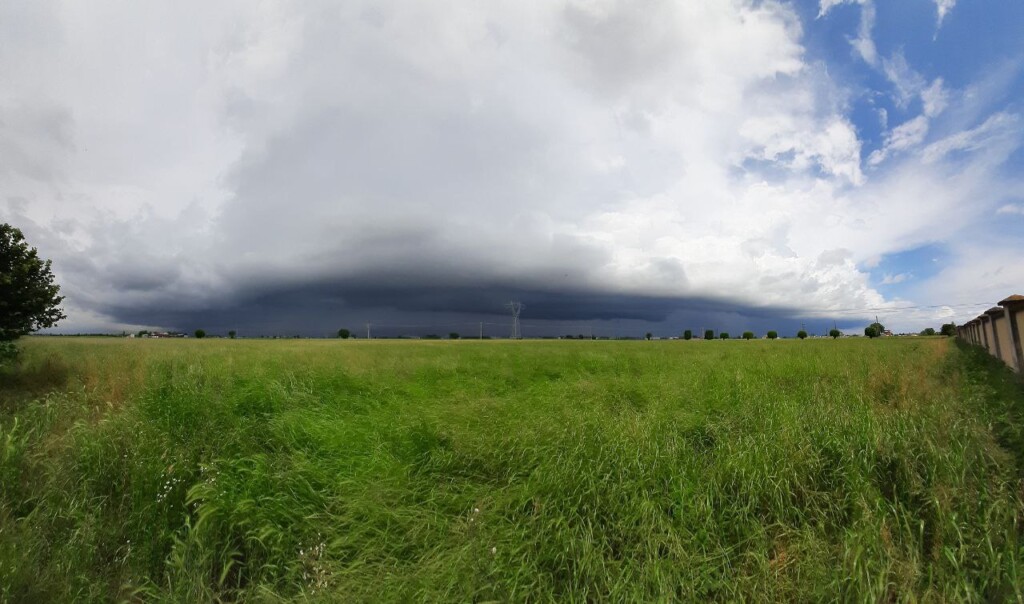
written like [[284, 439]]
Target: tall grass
[[569, 471]]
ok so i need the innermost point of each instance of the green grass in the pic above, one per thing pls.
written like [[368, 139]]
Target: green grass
[[509, 471]]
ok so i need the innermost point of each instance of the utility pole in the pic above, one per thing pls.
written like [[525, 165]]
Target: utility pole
[[367, 331], [481, 331]]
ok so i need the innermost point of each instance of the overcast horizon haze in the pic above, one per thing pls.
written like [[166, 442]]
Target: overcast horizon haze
[[283, 168]]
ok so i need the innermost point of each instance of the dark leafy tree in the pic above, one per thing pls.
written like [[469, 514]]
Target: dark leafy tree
[[948, 329], [928, 331], [200, 333], [648, 335], [29, 298], [232, 334], [724, 335], [453, 336], [142, 333], [709, 334], [878, 327], [748, 335], [801, 334], [687, 335], [835, 333], [772, 334], [871, 331], [344, 334]]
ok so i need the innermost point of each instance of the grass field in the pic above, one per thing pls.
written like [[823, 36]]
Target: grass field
[[883, 470]]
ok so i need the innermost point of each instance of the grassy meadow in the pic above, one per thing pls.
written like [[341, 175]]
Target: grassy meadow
[[818, 470]]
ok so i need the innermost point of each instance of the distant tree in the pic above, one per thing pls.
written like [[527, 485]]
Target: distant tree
[[687, 335], [232, 334], [835, 333], [724, 335], [748, 335], [801, 334], [142, 333], [871, 331], [200, 333], [29, 298], [453, 336], [928, 331], [344, 334], [709, 334], [948, 329], [878, 327], [648, 335], [772, 334], [431, 336]]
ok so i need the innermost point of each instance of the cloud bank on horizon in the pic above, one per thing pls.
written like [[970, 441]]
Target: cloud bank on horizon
[[186, 163]]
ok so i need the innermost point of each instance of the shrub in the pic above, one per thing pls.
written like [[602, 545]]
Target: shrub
[[835, 333], [801, 334], [8, 353], [772, 335], [748, 335], [687, 335]]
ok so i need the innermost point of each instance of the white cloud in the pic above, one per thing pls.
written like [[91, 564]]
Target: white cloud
[[907, 135], [998, 133], [935, 98], [908, 83], [943, 7], [891, 279], [864, 43], [1012, 208]]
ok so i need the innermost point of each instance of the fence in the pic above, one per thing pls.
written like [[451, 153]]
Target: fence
[[998, 330]]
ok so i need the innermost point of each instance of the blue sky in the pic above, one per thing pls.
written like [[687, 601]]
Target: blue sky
[[976, 51], [747, 163]]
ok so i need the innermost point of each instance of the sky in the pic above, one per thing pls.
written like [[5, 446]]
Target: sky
[[282, 168]]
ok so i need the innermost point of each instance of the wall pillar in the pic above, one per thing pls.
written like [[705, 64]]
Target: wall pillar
[[1013, 308], [993, 315]]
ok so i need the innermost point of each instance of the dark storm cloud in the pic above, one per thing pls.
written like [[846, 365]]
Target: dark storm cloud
[[318, 309]]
